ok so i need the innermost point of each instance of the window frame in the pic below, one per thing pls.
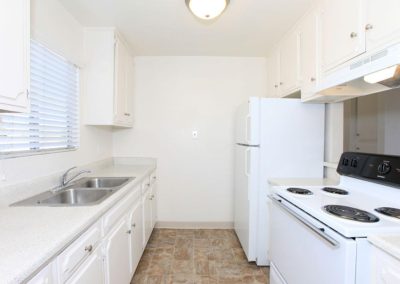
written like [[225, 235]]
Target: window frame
[[34, 152]]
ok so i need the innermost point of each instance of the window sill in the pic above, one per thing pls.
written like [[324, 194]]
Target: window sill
[[34, 153]]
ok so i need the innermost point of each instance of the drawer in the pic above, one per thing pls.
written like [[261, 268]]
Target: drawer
[[121, 208], [79, 250], [153, 177]]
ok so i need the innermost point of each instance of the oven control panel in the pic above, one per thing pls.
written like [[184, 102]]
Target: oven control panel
[[378, 168]]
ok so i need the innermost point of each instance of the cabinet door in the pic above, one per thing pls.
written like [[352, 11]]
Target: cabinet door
[[14, 55], [91, 271], [153, 199], [342, 31], [147, 216], [289, 64], [273, 75], [117, 254], [128, 113], [136, 223], [382, 24], [120, 81], [47, 275], [308, 55]]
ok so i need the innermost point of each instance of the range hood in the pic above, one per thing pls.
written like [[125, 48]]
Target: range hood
[[364, 75]]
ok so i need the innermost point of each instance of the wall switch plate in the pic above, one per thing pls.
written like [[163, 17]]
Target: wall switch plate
[[195, 134]]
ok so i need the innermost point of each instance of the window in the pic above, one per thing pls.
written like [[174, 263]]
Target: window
[[52, 123]]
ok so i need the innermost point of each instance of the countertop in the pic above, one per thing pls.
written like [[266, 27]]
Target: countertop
[[388, 243], [31, 236], [302, 182]]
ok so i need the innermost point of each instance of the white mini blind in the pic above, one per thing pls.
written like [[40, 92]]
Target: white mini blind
[[52, 123]]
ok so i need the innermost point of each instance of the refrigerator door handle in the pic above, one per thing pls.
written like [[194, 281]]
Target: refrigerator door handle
[[247, 162], [248, 123], [247, 145]]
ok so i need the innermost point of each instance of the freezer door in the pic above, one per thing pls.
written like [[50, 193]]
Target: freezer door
[[245, 190], [248, 122]]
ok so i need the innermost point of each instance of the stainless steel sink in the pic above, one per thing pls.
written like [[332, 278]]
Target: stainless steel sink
[[100, 182], [84, 192], [76, 197]]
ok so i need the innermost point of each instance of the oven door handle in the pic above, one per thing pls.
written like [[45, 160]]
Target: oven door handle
[[319, 231]]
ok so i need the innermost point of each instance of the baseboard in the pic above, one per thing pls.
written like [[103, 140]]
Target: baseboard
[[194, 225]]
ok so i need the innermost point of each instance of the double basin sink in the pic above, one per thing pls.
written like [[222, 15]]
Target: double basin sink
[[84, 192]]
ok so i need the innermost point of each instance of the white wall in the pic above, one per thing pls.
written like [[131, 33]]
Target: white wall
[[58, 30], [173, 96]]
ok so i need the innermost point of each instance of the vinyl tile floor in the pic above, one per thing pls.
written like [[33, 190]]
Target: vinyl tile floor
[[196, 257]]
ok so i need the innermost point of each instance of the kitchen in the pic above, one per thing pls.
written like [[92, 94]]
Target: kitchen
[[152, 98]]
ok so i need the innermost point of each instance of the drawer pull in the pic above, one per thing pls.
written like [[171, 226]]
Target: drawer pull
[[133, 225], [89, 248]]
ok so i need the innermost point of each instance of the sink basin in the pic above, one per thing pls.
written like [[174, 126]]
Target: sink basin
[[84, 192], [76, 197], [101, 182]]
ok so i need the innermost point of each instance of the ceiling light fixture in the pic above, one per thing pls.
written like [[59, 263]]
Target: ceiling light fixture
[[207, 9]]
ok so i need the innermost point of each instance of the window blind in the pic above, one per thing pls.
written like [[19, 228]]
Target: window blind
[[53, 119]]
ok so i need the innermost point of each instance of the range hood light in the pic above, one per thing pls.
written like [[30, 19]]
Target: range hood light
[[207, 9], [380, 75]]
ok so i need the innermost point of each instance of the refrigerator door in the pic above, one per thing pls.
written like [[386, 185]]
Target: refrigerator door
[[246, 178], [247, 123]]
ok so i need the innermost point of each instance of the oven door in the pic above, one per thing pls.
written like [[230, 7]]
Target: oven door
[[305, 251]]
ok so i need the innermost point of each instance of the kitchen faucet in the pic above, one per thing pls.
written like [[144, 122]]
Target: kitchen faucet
[[65, 180]]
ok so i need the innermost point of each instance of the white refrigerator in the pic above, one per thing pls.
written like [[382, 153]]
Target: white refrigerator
[[275, 138]]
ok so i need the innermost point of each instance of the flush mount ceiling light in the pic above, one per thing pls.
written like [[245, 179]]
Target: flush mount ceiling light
[[207, 9]]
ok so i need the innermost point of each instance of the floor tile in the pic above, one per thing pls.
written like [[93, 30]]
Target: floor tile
[[196, 257]]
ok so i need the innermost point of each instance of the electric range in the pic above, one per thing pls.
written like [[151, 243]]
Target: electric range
[[335, 219]]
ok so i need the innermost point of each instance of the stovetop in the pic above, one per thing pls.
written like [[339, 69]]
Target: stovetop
[[361, 195], [366, 201]]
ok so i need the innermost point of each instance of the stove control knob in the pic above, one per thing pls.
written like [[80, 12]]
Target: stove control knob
[[345, 162], [384, 168]]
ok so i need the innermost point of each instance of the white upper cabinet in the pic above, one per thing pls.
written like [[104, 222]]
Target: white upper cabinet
[[308, 54], [382, 23], [273, 74], [289, 64], [14, 55], [108, 79], [342, 31]]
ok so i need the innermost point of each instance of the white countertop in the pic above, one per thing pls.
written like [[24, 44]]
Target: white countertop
[[31, 236], [302, 182], [388, 243]]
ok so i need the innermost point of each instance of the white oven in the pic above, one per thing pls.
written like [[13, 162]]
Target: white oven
[[305, 251]]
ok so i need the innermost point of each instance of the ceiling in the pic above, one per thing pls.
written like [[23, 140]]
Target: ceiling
[[247, 28]]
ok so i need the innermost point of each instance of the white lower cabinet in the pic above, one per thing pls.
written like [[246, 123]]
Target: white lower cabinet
[[91, 271], [153, 200], [110, 250], [117, 256], [136, 243], [47, 275], [147, 216], [386, 268]]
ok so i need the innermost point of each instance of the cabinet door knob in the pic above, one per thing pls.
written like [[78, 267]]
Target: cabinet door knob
[[133, 225], [275, 86], [312, 79], [353, 35], [281, 83], [127, 114], [129, 232], [89, 248], [369, 27]]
